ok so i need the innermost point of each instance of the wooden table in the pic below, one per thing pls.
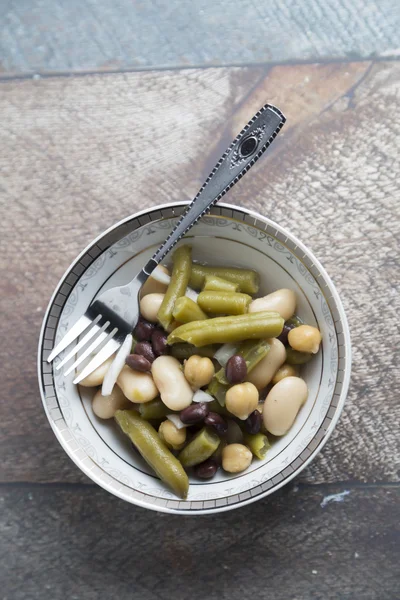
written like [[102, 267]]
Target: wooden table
[[79, 153], [70, 35]]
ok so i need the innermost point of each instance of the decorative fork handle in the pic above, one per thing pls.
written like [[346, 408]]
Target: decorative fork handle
[[241, 155]]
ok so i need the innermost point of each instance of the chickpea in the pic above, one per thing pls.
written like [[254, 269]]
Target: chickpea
[[236, 458], [285, 371], [96, 377], [150, 305], [172, 436], [199, 370], [105, 407], [175, 391], [137, 387], [282, 301], [152, 286], [305, 339], [242, 399]]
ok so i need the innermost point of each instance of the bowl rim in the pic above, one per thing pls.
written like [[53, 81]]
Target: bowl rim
[[344, 384]]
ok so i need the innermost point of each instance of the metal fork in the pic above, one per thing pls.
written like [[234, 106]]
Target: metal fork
[[114, 314]]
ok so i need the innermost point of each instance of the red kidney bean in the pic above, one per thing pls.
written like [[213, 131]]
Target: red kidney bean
[[236, 369], [138, 362], [159, 342], [193, 429], [218, 422], [253, 422], [194, 413], [206, 469], [283, 337], [143, 330], [146, 350]]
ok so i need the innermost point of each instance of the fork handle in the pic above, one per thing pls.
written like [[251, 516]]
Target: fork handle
[[241, 155]]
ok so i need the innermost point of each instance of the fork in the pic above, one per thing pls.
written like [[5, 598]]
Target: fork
[[114, 314]]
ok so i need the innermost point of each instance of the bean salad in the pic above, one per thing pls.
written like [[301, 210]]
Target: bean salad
[[212, 373]]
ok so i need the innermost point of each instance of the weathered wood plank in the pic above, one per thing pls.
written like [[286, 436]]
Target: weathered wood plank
[[43, 35], [60, 543], [70, 147]]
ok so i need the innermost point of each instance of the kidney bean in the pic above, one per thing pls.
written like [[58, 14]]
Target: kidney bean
[[253, 422], [193, 429], [143, 330], [206, 469], [194, 413], [218, 422], [283, 337], [138, 362], [236, 369], [159, 342], [146, 350]]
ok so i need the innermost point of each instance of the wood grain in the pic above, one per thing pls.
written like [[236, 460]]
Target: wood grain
[[78, 154], [75, 544], [48, 35]]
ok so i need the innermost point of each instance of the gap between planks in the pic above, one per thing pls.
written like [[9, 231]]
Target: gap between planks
[[4, 77]]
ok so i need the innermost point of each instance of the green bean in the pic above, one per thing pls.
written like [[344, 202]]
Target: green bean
[[222, 330], [187, 310], [252, 352], [224, 303], [182, 351], [212, 282], [155, 453], [258, 444], [294, 357], [194, 325], [247, 280], [182, 262], [201, 447], [218, 390], [155, 409], [295, 320], [216, 407]]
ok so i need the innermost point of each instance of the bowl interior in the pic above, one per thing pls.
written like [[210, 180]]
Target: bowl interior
[[230, 237]]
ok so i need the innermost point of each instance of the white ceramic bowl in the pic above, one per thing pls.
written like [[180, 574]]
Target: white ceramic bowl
[[228, 236]]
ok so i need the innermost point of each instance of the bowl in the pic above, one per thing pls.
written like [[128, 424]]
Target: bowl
[[229, 235]]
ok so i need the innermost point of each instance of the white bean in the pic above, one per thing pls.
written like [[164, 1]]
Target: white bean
[[283, 403], [150, 305], [282, 301], [137, 387], [175, 391], [262, 374], [105, 407], [96, 377], [151, 286]]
